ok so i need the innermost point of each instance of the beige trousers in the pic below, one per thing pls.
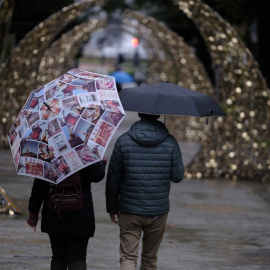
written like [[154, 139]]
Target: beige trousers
[[131, 228]]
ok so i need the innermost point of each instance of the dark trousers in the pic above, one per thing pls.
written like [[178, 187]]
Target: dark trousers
[[68, 252]]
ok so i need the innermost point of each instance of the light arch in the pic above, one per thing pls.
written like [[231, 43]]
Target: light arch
[[18, 75], [245, 148], [232, 148]]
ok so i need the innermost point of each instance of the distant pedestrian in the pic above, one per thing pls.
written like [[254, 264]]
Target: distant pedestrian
[[144, 162], [68, 232]]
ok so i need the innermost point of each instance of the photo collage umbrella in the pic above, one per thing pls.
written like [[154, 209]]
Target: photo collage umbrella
[[65, 125]]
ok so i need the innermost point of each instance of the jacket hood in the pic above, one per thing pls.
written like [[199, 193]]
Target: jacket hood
[[148, 133]]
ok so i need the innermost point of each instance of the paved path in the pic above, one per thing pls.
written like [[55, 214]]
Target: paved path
[[213, 224]]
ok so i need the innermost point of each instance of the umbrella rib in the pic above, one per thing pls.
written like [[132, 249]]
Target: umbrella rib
[[194, 104]]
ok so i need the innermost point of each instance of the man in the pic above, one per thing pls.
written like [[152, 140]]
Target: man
[[144, 161]]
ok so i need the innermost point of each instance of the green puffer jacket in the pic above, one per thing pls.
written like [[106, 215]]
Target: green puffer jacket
[[144, 161]]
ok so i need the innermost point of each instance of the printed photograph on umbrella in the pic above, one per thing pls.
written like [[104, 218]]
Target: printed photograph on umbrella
[[65, 125]]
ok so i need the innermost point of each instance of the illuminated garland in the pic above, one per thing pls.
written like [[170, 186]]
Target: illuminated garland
[[236, 147], [243, 138], [19, 73], [60, 56]]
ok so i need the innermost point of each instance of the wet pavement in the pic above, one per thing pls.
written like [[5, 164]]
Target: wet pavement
[[213, 224]]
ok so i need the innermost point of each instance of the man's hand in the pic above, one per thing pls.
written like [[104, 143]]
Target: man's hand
[[114, 218]]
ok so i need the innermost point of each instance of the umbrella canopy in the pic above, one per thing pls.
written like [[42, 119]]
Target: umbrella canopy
[[122, 76], [169, 99], [65, 125]]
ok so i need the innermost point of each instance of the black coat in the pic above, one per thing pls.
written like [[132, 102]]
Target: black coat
[[81, 223]]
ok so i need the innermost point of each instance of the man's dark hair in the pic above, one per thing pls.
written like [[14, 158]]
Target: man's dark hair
[[148, 117]]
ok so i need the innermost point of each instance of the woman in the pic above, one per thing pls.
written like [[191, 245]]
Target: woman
[[69, 233]]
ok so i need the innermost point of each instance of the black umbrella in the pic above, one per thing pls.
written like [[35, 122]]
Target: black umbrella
[[169, 99]]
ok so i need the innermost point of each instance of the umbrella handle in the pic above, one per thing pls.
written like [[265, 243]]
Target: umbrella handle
[[210, 112], [47, 106]]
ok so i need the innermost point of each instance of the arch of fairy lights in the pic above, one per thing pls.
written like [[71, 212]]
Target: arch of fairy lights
[[244, 145], [181, 66], [59, 57], [19, 74], [236, 147]]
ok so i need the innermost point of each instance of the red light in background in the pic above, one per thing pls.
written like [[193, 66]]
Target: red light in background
[[134, 42]]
